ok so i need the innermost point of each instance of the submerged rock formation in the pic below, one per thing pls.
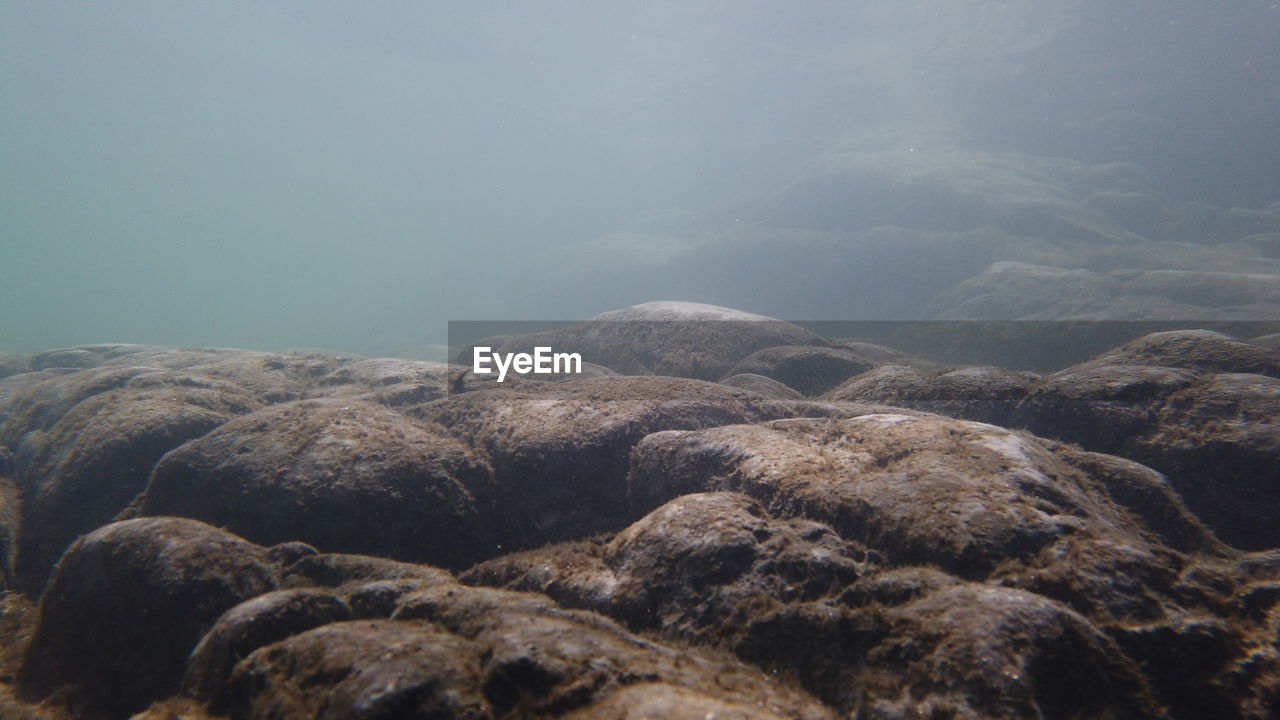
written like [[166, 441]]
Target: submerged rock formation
[[297, 470], [920, 540], [128, 603]]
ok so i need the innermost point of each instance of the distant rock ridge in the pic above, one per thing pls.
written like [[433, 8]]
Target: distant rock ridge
[[923, 230]]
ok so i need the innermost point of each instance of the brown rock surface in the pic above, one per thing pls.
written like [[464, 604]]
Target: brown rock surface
[[1194, 350], [14, 364], [455, 651], [985, 394], [980, 651], [86, 437], [261, 621], [389, 381], [766, 386], [128, 603], [343, 475], [1200, 407], [761, 551], [559, 451], [364, 668], [82, 470], [858, 630], [337, 569], [10, 519], [963, 495], [809, 370]]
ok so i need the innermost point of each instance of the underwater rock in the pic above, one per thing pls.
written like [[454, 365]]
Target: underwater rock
[[81, 471], [773, 556], [264, 620], [336, 569], [1219, 444], [788, 594], [985, 394], [655, 700], [692, 567], [14, 709], [1101, 406], [766, 386], [10, 518], [559, 451], [893, 384], [270, 377], [1010, 290], [128, 603], [1022, 291], [486, 653], [363, 668], [66, 358], [1216, 436], [980, 651], [806, 369], [14, 364], [668, 338], [1196, 662], [93, 355], [542, 657], [573, 573], [714, 569], [877, 355], [14, 385], [967, 497], [388, 381], [342, 475], [34, 402], [1203, 350]]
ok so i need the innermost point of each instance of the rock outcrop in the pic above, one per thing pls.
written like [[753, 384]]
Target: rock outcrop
[[343, 475], [126, 606], [809, 370], [559, 452], [1198, 406], [918, 540]]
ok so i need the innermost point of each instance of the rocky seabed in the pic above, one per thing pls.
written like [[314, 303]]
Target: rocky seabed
[[763, 524]]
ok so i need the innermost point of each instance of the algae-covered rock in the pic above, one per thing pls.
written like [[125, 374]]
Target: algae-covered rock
[[487, 653], [1197, 406], [560, 451], [342, 475], [766, 386], [86, 467], [809, 370], [126, 606], [962, 495], [263, 620], [986, 394]]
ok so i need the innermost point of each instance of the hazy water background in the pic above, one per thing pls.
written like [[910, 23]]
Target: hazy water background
[[352, 175]]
